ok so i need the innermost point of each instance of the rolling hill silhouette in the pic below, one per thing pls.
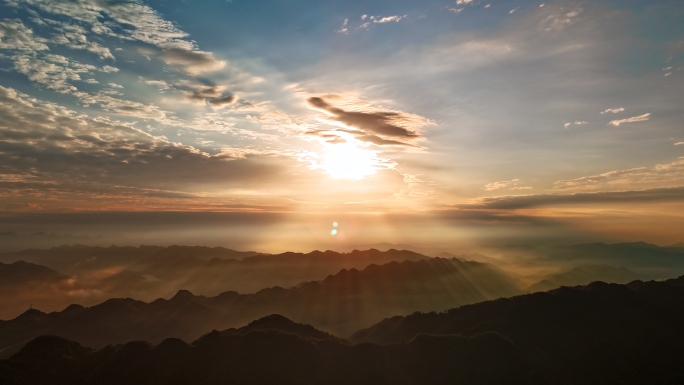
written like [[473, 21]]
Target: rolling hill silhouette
[[341, 303], [596, 334], [282, 353]]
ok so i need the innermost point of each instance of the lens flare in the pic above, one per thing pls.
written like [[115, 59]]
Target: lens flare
[[334, 232], [334, 224]]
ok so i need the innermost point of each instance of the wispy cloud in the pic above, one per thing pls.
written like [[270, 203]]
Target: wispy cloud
[[613, 110], [510, 184], [388, 19], [194, 62], [546, 200], [661, 175], [366, 123], [640, 118]]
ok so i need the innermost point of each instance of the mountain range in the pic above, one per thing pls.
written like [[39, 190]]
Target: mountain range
[[595, 334], [341, 304], [150, 272]]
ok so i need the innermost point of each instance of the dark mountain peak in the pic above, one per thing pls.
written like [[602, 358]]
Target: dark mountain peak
[[227, 295], [284, 324], [271, 320], [183, 295], [213, 337], [172, 345], [50, 347], [30, 315], [73, 308], [133, 349]]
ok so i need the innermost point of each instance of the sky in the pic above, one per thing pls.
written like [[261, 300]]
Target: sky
[[257, 124]]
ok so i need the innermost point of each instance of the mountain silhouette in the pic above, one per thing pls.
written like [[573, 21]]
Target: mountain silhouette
[[150, 272], [595, 334], [23, 284], [271, 356], [341, 304], [584, 275]]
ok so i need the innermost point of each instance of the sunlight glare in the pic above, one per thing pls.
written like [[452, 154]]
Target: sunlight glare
[[348, 161]]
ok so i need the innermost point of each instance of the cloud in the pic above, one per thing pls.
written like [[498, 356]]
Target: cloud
[[14, 35], [74, 37], [679, 143], [661, 175], [559, 19], [147, 25], [498, 185], [48, 150], [512, 184], [371, 124], [135, 22], [221, 102], [388, 19], [160, 84], [634, 119], [544, 200], [55, 72], [200, 93], [577, 122], [613, 110], [193, 62]]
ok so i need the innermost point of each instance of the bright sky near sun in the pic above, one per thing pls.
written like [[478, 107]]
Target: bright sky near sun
[[563, 113]]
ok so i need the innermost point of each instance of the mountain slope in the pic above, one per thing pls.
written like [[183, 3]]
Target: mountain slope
[[25, 284], [596, 334], [584, 275]]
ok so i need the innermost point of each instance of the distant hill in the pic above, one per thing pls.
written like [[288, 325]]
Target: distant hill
[[584, 275], [271, 356], [659, 262], [23, 284], [595, 334], [341, 304], [10, 241], [150, 272]]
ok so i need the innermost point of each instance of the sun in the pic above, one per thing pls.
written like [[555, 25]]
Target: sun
[[349, 161]]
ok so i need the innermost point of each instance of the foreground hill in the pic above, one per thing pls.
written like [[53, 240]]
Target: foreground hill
[[596, 334], [271, 351], [341, 303]]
